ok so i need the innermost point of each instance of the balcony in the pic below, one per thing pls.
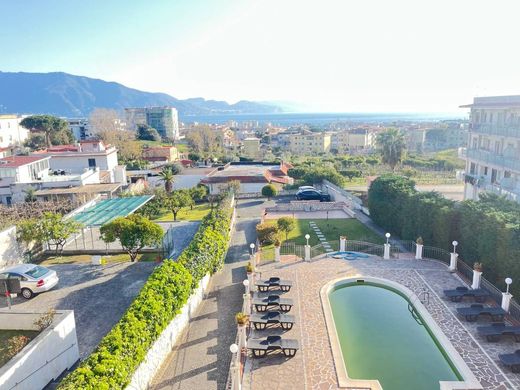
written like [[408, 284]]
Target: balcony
[[505, 131], [479, 155], [511, 194]]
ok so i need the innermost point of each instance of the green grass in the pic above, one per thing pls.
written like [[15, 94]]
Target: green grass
[[84, 259], [331, 229], [5, 335], [199, 211]]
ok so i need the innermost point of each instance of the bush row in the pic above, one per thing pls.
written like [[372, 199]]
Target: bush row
[[488, 230], [166, 291]]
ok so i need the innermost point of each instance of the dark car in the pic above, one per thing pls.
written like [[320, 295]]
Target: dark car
[[310, 194]]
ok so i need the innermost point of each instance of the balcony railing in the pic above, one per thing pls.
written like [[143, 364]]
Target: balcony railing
[[511, 194], [506, 131], [508, 163]]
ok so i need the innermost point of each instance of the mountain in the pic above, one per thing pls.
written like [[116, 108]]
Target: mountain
[[64, 94]]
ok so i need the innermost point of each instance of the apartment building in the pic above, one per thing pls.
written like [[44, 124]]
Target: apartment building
[[353, 140], [493, 150], [80, 128], [309, 143], [251, 147], [11, 132], [164, 119]]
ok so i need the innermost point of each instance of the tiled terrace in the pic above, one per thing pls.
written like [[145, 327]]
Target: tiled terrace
[[313, 366]]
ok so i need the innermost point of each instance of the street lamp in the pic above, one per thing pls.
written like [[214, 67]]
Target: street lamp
[[508, 282], [233, 348], [387, 235], [454, 243], [307, 236], [246, 285], [252, 246]]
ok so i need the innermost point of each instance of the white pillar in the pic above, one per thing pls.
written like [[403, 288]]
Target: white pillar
[[506, 301], [307, 253], [253, 261], [418, 251], [477, 275], [235, 375], [342, 243], [386, 254], [242, 338], [251, 279], [453, 261], [247, 304], [277, 256]]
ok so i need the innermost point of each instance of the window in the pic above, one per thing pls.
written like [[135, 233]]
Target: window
[[91, 162], [485, 171]]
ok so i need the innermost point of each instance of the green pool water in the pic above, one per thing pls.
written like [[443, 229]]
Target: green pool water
[[380, 339]]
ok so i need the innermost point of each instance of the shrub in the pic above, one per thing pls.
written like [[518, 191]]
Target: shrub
[[269, 191], [16, 344], [166, 291], [266, 233]]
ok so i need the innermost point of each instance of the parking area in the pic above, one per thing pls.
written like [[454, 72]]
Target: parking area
[[98, 295]]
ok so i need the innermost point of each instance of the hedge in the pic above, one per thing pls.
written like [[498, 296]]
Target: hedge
[[488, 230], [166, 291]]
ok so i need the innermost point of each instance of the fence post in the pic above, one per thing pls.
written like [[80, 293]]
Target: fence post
[[418, 251], [307, 253], [386, 253], [277, 257], [477, 275], [342, 243], [453, 261], [506, 297]]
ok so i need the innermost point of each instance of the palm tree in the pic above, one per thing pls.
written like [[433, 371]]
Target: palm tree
[[392, 146], [168, 177]]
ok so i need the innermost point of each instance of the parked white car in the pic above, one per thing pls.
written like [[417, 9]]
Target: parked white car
[[34, 279]]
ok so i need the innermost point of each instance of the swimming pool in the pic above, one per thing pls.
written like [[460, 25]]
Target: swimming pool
[[384, 341]]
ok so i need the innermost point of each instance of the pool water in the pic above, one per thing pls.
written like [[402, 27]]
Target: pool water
[[380, 339]]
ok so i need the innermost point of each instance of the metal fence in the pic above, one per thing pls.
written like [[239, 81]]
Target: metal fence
[[431, 252], [365, 247]]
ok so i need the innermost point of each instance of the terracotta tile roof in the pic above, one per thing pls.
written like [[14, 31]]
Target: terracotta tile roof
[[18, 161]]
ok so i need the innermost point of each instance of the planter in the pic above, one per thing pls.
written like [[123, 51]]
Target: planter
[[477, 276], [418, 251], [277, 256]]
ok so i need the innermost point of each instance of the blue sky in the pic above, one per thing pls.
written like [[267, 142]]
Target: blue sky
[[328, 55]]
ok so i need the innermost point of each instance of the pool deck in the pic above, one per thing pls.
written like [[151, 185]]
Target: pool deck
[[313, 365]]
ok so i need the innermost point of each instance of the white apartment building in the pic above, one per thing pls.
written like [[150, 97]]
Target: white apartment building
[[309, 143], [11, 133], [493, 152], [80, 128], [359, 139]]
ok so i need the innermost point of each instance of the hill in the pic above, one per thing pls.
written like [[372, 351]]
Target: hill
[[64, 94]]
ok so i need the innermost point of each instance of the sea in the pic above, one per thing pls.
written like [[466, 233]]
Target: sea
[[291, 119]]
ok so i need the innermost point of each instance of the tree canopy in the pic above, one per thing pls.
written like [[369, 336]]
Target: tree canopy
[[55, 130], [134, 232], [269, 191], [178, 200], [147, 133], [392, 146], [286, 225]]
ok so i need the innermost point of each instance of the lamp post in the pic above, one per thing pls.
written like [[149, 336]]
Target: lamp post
[[307, 236], [506, 297], [386, 252], [252, 246], [307, 248], [453, 257]]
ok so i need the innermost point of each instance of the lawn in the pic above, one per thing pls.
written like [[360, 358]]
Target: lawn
[[5, 335], [331, 229], [199, 211], [109, 259]]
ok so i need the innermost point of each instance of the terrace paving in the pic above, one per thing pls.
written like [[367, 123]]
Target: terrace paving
[[313, 366]]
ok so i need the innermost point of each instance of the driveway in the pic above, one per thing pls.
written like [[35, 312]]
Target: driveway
[[98, 295]]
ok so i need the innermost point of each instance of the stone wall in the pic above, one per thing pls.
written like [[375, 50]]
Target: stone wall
[[166, 341], [53, 351], [312, 205]]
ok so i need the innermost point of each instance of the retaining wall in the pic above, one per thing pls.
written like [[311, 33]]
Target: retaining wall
[[10, 251]]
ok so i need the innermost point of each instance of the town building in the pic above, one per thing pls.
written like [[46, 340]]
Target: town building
[[493, 151], [164, 119], [353, 140], [309, 143], [87, 155], [251, 147], [18, 174], [11, 132], [80, 128], [161, 154], [253, 176]]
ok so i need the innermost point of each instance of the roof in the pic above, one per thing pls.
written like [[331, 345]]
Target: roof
[[18, 161], [251, 173], [494, 102], [85, 189], [107, 210], [20, 268]]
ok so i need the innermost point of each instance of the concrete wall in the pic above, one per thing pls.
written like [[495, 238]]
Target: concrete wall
[[10, 250], [44, 358], [166, 341]]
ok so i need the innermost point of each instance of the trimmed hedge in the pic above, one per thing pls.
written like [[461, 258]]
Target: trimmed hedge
[[166, 291], [488, 230]]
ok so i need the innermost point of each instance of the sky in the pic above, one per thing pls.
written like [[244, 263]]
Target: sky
[[319, 55]]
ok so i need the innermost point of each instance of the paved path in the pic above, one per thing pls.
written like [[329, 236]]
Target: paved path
[[321, 236], [201, 358]]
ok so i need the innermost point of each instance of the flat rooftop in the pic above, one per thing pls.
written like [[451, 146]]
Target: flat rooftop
[[244, 170], [512, 101]]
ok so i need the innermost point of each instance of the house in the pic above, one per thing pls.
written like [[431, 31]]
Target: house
[[86, 155], [253, 176], [11, 132], [161, 154]]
